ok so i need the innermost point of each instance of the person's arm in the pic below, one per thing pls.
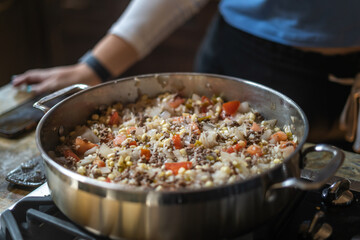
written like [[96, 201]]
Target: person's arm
[[142, 26]]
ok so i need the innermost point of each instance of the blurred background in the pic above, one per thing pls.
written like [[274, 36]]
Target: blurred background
[[46, 33]]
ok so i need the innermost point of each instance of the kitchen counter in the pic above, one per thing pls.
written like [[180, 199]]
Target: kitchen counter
[[15, 151]]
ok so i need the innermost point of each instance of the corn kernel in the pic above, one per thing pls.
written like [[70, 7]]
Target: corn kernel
[[127, 159], [129, 163], [277, 161], [111, 176], [225, 169], [81, 170], [209, 184], [111, 163], [181, 170], [183, 151], [168, 173], [95, 117]]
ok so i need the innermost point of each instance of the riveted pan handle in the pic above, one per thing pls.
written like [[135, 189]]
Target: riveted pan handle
[[40, 104], [322, 177]]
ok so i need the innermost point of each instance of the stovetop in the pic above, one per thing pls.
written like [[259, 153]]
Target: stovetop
[[308, 216]]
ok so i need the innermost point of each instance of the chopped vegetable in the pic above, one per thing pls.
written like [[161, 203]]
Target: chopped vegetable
[[82, 145], [255, 127], [175, 166], [176, 102], [237, 147], [145, 153], [99, 163], [70, 155], [230, 108], [114, 119], [254, 150], [177, 141], [278, 136], [119, 139]]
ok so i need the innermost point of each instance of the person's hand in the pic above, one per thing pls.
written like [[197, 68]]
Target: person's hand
[[51, 79]]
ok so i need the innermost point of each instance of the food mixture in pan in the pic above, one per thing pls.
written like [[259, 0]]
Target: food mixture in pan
[[170, 142]]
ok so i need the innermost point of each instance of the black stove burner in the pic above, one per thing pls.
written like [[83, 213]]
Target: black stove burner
[[38, 218]]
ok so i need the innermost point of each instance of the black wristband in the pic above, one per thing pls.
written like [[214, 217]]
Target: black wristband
[[96, 66]]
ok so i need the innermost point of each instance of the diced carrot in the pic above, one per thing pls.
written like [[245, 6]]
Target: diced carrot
[[254, 150], [70, 155], [146, 153], [284, 144], [119, 139], [82, 145], [133, 143], [255, 127], [114, 119], [195, 128], [175, 166], [231, 107], [99, 163], [278, 136], [176, 102], [129, 130], [177, 141]]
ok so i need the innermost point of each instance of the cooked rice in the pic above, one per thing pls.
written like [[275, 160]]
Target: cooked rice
[[170, 142]]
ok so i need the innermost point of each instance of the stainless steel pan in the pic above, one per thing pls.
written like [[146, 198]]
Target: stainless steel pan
[[213, 213]]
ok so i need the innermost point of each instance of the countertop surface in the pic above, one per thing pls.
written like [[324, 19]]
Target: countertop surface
[[13, 152]]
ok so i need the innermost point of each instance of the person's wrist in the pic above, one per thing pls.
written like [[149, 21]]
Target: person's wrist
[[86, 75], [96, 66]]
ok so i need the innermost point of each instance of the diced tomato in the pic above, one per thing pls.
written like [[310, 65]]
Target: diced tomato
[[278, 136], [177, 141], [176, 102], [82, 145], [114, 119], [175, 166], [237, 147], [133, 143], [119, 139], [205, 102], [130, 130], [254, 150], [231, 107], [99, 163], [195, 128], [70, 155], [108, 180], [146, 153], [255, 127]]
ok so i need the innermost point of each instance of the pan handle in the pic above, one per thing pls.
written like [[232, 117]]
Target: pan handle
[[40, 104], [322, 177]]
